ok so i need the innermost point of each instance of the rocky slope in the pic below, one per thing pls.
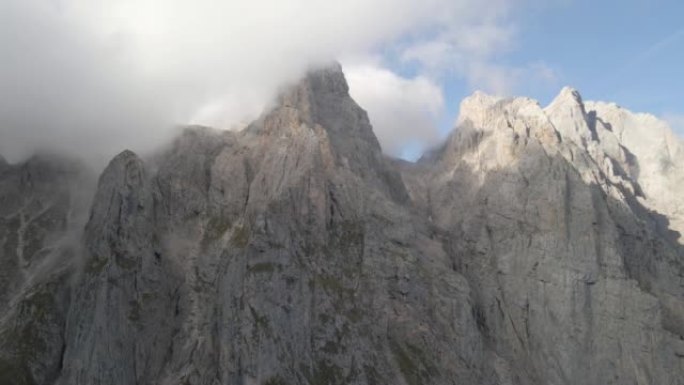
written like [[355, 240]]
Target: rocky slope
[[537, 246], [575, 277], [44, 203]]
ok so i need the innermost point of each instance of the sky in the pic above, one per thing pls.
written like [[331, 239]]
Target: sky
[[93, 77]]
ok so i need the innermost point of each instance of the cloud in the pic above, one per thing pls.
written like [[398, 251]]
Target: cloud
[[455, 47], [474, 52], [505, 80], [94, 77], [403, 111]]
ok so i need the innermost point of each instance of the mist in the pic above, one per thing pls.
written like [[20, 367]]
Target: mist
[[93, 78]]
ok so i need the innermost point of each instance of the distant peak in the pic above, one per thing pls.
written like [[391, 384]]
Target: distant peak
[[478, 101], [319, 82], [481, 97], [126, 161], [124, 170], [319, 99], [568, 95], [327, 78], [330, 67], [474, 108], [570, 92], [124, 156]]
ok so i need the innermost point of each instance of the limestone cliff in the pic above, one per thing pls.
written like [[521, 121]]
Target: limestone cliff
[[536, 246]]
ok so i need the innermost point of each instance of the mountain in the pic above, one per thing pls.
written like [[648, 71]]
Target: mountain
[[44, 203], [536, 246]]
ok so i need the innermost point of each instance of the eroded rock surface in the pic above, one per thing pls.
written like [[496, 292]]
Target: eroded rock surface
[[537, 246], [43, 205]]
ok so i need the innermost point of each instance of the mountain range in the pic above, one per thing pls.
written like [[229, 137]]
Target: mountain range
[[534, 246]]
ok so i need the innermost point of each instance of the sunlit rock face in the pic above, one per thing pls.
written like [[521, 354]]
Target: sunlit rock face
[[556, 227], [536, 246]]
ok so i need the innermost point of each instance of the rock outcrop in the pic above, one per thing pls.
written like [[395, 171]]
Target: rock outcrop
[[575, 277], [43, 205], [536, 246], [285, 253]]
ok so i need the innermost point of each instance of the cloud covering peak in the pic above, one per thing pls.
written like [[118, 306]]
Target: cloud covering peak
[[95, 77]]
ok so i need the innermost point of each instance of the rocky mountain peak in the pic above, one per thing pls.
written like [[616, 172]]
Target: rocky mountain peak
[[569, 116], [320, 100], [318, 117], [319, 86], [474, 109], [327, 79], [118, 186], [569, 95], [568, 103], [125, 168]]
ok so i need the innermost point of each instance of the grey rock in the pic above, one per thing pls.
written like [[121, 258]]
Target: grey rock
[[119, 315], [569, 269], [286, 253], [530, 248], [43, 205]]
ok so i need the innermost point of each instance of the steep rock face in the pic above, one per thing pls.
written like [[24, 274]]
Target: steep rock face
[[119, 326], [574, 279], [660, 155], [286, 253], [43, 204], [536, 246]]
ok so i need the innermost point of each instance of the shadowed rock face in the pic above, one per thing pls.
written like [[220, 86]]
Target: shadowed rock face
[[43, 205], [529, 249]]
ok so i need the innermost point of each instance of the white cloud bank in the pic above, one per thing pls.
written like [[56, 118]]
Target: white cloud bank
[[94, 77], [402, 110]]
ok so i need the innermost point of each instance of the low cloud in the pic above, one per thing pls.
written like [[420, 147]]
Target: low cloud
[[472, 53], [93, 78], [506, 81], [403, 111]]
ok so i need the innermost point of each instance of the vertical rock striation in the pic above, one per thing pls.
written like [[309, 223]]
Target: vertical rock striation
[[43, 205], [575, 277], [536, 246]]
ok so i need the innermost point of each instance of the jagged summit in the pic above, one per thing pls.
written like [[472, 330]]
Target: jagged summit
[[124, 156], [325, 82], [474, 108], [602, 140], [481, 98], [321, 97], [122, 167], [317, 114], [477, 108], [568, 95], [327, 79], [125, 170]]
